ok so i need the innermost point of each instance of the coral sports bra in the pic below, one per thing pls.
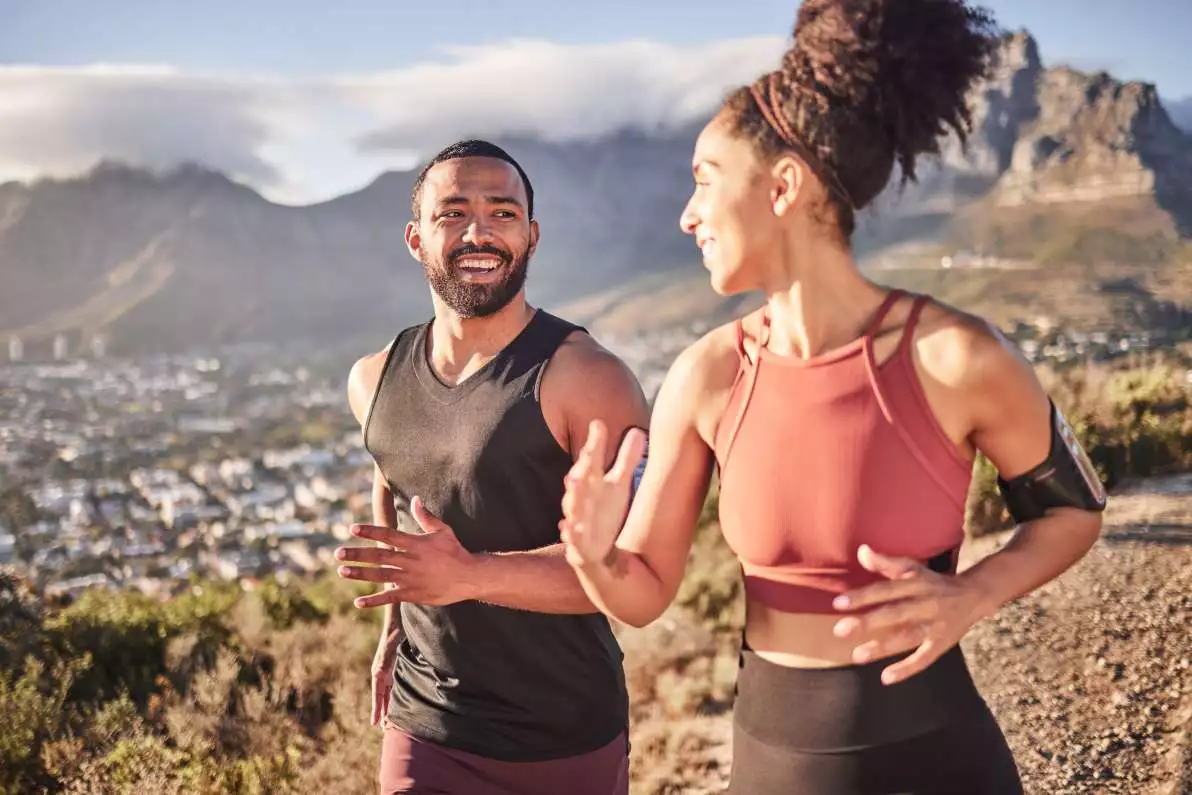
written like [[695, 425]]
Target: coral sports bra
[[818, 456]]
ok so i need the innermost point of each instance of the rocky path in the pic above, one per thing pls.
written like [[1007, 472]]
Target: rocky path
[[1090, 677]]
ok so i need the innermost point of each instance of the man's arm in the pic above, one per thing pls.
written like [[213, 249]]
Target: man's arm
[[385, 657], [633, 569], [539, 581], [583, 382], [435, 569], [362, 383]]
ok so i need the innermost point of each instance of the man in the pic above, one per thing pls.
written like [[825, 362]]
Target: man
[[499, 677]]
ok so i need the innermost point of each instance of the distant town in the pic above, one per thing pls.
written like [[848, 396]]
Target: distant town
[[149, 473], [146, 473]]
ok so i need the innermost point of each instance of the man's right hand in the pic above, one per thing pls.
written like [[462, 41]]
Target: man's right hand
[[595, 502], [382, 677]]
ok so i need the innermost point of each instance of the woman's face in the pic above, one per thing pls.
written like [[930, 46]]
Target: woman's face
[[731, 212]]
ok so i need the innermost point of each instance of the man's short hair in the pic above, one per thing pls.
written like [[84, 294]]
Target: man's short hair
[[469, 148]]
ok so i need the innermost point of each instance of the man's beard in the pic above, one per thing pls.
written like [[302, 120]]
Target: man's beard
[[468, 299]]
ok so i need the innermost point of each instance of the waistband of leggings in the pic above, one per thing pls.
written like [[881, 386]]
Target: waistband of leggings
[[849, 708]]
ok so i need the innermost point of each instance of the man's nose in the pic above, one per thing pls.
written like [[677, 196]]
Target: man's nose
[[478, 232]]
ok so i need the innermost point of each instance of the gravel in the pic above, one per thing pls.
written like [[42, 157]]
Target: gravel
[[1091, 675]]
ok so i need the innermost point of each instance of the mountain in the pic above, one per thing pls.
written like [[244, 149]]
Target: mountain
[[1181, 113], [166, 260], [1062, 167], [1055, 153]]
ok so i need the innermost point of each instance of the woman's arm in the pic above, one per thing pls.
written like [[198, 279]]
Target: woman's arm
[[633, 573], [1013, 427]]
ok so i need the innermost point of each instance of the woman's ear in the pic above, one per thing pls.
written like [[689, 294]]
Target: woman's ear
[[788, 175]]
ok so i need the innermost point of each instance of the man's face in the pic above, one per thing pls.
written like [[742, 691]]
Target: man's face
[[474, 237]]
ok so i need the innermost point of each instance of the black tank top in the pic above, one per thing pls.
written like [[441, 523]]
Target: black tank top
[[501, 683]]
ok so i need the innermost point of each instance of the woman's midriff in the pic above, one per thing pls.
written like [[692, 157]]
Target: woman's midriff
[[799, 640]]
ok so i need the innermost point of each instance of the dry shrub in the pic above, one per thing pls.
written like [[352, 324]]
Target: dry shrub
[[1132, 418], [349, 748]]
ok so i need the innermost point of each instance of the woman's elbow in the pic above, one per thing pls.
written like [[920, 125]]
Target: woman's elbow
[[643, 616], [643, 621]]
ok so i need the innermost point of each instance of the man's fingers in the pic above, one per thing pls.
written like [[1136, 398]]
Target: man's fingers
[[389, 596], [378, 694], [381, 690], [630, 453], [384, 535], [887, 566], [425, 519], [388, 574], [381, 556], [917, 662]]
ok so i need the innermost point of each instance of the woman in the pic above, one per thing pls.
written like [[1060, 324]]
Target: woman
[[843, 419]]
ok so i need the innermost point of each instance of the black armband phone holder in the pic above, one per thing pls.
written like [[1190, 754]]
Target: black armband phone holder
[[1066, 478]]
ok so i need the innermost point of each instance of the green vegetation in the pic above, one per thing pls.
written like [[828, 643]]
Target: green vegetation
[[218, 691]]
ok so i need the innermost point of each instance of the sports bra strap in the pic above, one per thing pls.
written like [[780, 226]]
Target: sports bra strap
[[883, 309], [875, 324], [912, 320], [763, 337]]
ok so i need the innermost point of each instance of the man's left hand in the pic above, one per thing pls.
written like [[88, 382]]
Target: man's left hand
[[915, 608], [430, 569]]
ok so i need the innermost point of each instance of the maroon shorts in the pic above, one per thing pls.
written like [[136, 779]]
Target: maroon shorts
[[410, 765]]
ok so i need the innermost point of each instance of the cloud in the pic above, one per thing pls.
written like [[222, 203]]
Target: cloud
[[58, 121], [303, 139], [554, 91]]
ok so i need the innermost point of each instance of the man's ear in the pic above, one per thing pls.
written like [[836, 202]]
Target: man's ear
[[535, 234], [414, 240]]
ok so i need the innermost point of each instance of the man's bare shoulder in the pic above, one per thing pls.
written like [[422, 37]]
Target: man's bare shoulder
[[363, 379], [582, 362]]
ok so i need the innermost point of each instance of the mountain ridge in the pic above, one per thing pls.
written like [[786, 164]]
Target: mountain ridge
[[165, 259]]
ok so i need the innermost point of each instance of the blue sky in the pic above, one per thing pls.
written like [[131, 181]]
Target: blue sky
[[304, 99], [1144, 39]]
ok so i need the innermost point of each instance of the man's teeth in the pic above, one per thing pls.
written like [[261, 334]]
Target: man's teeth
[[486, 264]]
